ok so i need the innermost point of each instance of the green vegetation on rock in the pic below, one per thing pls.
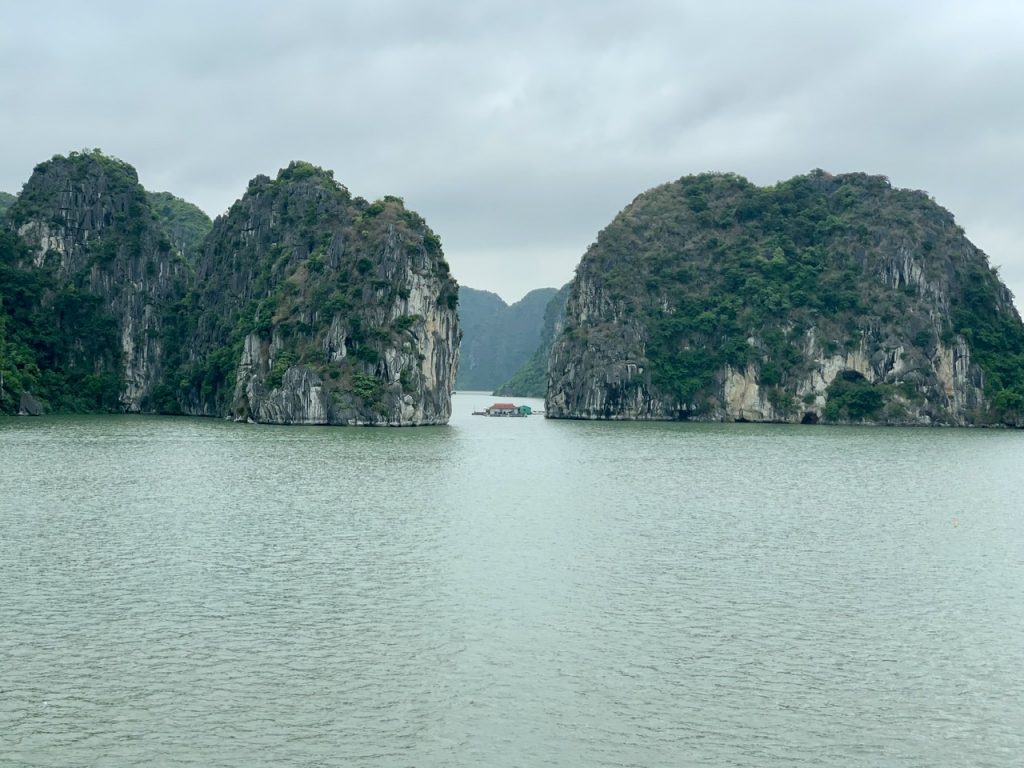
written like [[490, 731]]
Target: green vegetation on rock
[[995, 339], [851, 397], [711, 275], [185, 224], [300, 275], [300, 304], [57, 342], [85, 281]]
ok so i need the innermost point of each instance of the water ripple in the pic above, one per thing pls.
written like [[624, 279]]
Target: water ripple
[[505, 593]]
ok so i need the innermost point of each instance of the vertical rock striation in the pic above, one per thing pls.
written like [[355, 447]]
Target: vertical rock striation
[[314, 307], [111, 274]]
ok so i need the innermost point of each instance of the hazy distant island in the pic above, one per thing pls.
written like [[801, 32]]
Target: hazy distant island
[[498, 338], [6, 201], [824, 298], [530, 379], [301, 305]]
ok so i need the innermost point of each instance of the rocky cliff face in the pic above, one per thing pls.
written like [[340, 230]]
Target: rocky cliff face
[[825, 298], [110, 274], [313, 307]]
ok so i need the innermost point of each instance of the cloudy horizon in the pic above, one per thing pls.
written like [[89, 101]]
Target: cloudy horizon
[[519, 131]]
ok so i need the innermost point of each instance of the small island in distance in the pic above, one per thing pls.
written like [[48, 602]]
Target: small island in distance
[[822, 299]]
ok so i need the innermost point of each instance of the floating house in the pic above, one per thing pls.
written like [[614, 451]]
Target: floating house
[[505, 409]]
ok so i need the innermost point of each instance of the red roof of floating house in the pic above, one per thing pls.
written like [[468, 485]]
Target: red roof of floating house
[[503, 407]]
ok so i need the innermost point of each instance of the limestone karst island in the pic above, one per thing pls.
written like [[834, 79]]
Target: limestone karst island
[[301, 305], [822, 299]]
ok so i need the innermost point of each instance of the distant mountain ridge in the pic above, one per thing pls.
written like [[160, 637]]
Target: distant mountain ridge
[[186, 224], [497, 338], [530, 379]]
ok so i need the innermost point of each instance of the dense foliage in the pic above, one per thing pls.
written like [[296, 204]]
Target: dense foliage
[[185, 224], [6, 201], [997, 343], [851, 397], [57, 342]]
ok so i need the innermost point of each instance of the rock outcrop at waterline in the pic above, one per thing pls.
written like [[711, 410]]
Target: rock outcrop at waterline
[[302, 304], [824, 298]]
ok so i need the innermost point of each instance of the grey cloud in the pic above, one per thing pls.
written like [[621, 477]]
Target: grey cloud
[[520, 129]]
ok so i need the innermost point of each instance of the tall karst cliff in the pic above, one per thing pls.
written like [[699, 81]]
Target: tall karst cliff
[[88, 274], [823, 298], [314, 307], [302, 304]]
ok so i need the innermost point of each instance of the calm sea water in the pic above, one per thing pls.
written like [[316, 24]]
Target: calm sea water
[[509, 592]]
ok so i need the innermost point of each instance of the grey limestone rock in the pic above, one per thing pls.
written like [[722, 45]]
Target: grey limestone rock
[[87, 222], [29, 406], [345, 310]]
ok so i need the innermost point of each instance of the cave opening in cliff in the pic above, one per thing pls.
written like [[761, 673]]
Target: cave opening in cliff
[[810, 417]]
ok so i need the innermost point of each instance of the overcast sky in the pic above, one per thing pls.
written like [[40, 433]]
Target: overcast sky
[[519, 129]]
